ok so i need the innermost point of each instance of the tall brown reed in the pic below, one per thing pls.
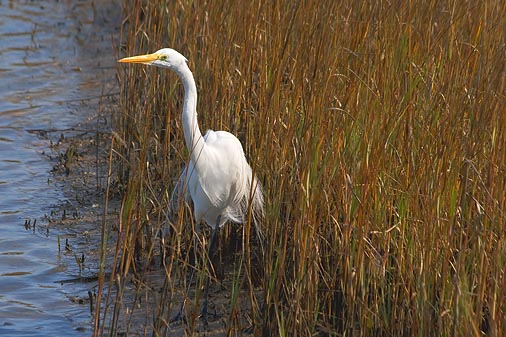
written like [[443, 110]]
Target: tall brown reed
[[378, 131]]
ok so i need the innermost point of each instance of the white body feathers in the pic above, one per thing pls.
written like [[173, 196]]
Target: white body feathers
[[218, 178]]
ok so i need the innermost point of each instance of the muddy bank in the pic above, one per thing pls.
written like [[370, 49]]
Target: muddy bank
[[80, 163]]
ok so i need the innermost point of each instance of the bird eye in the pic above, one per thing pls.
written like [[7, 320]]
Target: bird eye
[[163, 58]]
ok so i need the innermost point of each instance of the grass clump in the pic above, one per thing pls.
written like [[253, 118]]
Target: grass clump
[[378, 132]]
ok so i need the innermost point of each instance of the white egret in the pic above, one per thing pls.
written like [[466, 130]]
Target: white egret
[[218, 178]]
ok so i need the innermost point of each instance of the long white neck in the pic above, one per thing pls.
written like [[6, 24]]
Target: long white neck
[[192, 135]]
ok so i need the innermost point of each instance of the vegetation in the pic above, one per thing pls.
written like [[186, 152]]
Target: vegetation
[[378, 131]]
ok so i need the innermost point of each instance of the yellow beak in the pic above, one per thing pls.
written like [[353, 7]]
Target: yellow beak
[[145, 59]]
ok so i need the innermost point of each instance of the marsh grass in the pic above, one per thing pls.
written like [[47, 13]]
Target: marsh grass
[[378, 132]]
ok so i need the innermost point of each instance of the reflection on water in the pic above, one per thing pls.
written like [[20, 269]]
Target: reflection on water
[[55, 57]]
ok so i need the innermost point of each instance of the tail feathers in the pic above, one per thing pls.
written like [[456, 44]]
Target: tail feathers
[[255, 197]]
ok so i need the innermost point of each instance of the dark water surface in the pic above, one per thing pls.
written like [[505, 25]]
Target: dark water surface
[[56, 59]]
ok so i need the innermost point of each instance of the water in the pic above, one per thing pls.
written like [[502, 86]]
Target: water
[[56, 58]]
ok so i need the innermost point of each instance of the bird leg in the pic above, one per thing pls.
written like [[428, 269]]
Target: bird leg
[[210, 254], [181, 316]]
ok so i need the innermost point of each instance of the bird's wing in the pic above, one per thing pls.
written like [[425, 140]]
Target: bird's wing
[[219, 171], [230, 183], [224, 176]]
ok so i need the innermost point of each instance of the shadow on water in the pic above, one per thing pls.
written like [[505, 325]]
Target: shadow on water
[[56, 63]]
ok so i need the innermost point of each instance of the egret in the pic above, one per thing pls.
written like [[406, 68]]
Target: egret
[[217, 178]]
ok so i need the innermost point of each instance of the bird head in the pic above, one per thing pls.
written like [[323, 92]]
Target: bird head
[[164, 58]]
